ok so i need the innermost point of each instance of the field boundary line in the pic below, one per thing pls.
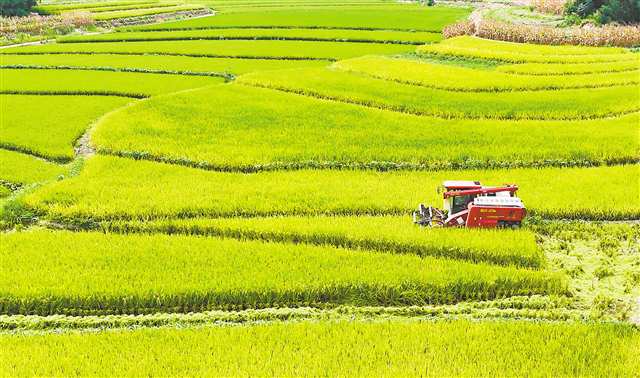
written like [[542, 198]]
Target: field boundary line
[[253, 38], [78, 220], [415, 83], [73, 93], [227, 76], [28, 151], [220, 56], [305, 27], [381, 166], [318, 239], [516, 309], [404, 110]]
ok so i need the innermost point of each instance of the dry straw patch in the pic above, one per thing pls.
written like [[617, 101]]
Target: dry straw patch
[[622, 36]]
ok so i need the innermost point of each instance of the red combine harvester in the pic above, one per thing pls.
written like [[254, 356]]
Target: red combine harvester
[[469, 204]]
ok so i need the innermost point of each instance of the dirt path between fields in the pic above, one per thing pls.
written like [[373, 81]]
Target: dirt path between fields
[[635, 317]]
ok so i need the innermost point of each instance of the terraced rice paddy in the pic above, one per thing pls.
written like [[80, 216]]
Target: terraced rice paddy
[[258, 168]]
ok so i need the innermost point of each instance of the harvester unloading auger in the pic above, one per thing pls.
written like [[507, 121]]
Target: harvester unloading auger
[[469, 204]]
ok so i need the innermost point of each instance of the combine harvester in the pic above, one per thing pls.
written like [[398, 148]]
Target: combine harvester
[[469, 204]]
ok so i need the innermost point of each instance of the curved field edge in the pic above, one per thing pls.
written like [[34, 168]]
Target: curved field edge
[[118, 188], [50, 131], [565, 104], [160, 273], [448, 77], [384, 234], [201, 129], [535, 307], [448, 348]]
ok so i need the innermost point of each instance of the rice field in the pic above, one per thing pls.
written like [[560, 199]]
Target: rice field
[[405, 348], [51, 130], [568, 104], [277, 49], [189, 274], [201, 128], [225, 188], [122, 188]]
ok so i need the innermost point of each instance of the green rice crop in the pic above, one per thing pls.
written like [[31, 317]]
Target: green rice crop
[[101, 8], [18, 168], [127, 84], [395, 17], [541, 307], [512, 52], [94, 273], [352, 88], [144, 12], [111, 187], [386, 234], [53, 124], [175, 64], [222, 48], [340, 35], [4, 191], [352, 348], [59, 8], [569, 69], [282, 130], [466, 79]]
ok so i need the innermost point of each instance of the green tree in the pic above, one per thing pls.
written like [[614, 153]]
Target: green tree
[[16, 7]]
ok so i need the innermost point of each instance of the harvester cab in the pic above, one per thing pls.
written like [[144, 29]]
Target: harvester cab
[[469, 204]]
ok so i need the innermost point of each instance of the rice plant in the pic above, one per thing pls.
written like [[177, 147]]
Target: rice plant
[[393, 234], [223, 49], [54, 123], [287, 131], [111, 187], [338, 35], [526, 53], [465, 79], [94, 273], [352, 88], [353, 348], [569, 69], [100, 83], [159, 63], [20, 168], [390, 17]]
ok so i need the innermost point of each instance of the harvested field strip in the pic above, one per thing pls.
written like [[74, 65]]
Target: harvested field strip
[[188, 274], [24, 169], [448, 348], [286, 131], [524, 307], [542, 105], [221, 48], [336, 35], [466, 79], [129, 84], [542, 69], [51, 129], [385, 234], [402, 17], [143, 12], [118, 188], [160, 63]]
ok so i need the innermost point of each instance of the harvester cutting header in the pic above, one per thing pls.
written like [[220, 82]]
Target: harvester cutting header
[[469, 204]]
